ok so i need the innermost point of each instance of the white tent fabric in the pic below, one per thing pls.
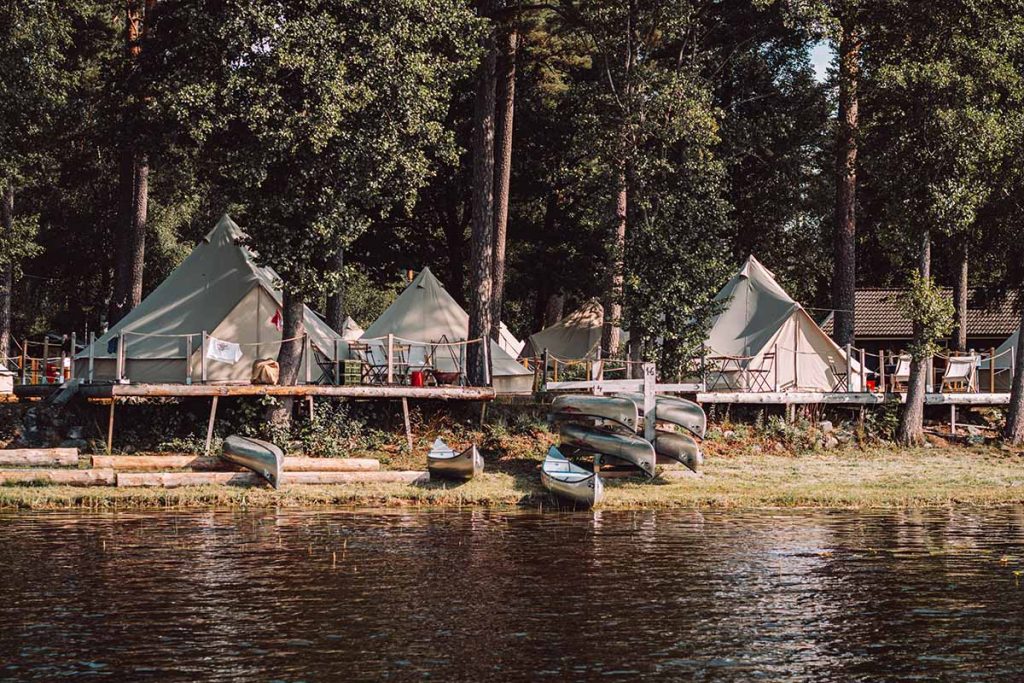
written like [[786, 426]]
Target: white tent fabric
[[760, 318], [577, 336], [217, 289], [508, 342], [1005, 362], [350, 329], [424, 313]]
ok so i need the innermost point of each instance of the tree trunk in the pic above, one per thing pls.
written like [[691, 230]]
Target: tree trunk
[[958, 341], [6, 271], [1014, 431], [336, 301], [610, 334], [505, 110], [133, 187], [911, 427], [845, 245], [289, 358], [554, 309], [482, 239]]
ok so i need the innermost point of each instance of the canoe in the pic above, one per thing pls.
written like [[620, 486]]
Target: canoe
[[679, 446], [262, 457], [443, 462], [619, 410], [570, 481], [629, 447], [674, 410]]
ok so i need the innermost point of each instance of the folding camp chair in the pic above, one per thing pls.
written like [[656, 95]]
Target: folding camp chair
[[326, 364], [901, 375], [842, 382], [758, 378], [373, 372], [960, 374]]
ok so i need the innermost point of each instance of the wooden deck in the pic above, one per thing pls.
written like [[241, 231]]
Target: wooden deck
[[855, 398], [110, 390]]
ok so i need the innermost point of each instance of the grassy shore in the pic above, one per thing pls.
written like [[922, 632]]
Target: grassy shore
[[851, 477]]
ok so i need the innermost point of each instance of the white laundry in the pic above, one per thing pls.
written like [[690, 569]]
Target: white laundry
[[223, 351]]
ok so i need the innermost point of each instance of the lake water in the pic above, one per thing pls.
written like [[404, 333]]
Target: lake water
[[370, 595]]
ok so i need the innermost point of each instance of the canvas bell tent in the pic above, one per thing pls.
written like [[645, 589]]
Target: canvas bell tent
[[1005, 361], [577, 336], [219, 290], [425, 313], [770, 340], [350, 330]]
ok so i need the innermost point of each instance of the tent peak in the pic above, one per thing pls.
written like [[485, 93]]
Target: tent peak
[[226, 230]]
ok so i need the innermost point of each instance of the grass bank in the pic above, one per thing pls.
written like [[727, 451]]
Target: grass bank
[[734, 477]]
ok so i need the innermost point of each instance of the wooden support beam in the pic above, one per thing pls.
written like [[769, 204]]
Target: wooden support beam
[[176, 479], [209, 426], [39, 457], [156, 463], [110, 427], [952, 419], [408, 426], [94, 477]]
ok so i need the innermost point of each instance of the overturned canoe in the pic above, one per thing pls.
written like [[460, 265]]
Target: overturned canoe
[[570, 481], [262, 457], [619, 410], [443, 462], [674, 410], [629, 447], [679, 446]]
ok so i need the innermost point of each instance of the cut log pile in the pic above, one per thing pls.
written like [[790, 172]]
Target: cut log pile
[[61, 466]]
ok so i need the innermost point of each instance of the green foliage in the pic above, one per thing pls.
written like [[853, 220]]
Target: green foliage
[[930, 311]]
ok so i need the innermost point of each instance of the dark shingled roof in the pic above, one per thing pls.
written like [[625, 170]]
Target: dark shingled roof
[[879, 316]]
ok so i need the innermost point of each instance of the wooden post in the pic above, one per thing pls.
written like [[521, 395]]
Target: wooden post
[[544, 368], [92, 342], [650, 374], [209, 426], [46, 359], [881, 369], [110, 426], [74, 352], [849, 368], [24, 364], [952, 419], [408, 426], [120, 357], [202, 359], [337, 362], [992, 370], [188, 359], [307, 351], [863, 372], [391, 350], [775, 367]]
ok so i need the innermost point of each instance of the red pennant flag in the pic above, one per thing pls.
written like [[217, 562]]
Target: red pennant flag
[[277, 321]]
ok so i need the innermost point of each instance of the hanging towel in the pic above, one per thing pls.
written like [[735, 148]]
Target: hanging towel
[[223, 351]]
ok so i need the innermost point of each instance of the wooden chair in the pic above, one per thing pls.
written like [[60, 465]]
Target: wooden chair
[[961, 374], [901, 374], [758, 378], [373, 372], [842, 382]]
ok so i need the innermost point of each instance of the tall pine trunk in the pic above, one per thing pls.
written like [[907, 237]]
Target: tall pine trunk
[[911, 427], [845, 242], [6, 271], [1014, 431], [336, 301], [289, 357], [610, 334], [481, 258], [958, 340], [505, 86], [133, 183]]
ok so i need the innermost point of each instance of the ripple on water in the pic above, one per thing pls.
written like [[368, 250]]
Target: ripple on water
[[477, 595]]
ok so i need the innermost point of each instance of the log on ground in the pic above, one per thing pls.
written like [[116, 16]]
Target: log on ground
[[175, 479], [39, 457], [93, 477], [201, 463]]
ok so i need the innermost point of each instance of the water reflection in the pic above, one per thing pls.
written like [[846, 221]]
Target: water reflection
[[476, 595]]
